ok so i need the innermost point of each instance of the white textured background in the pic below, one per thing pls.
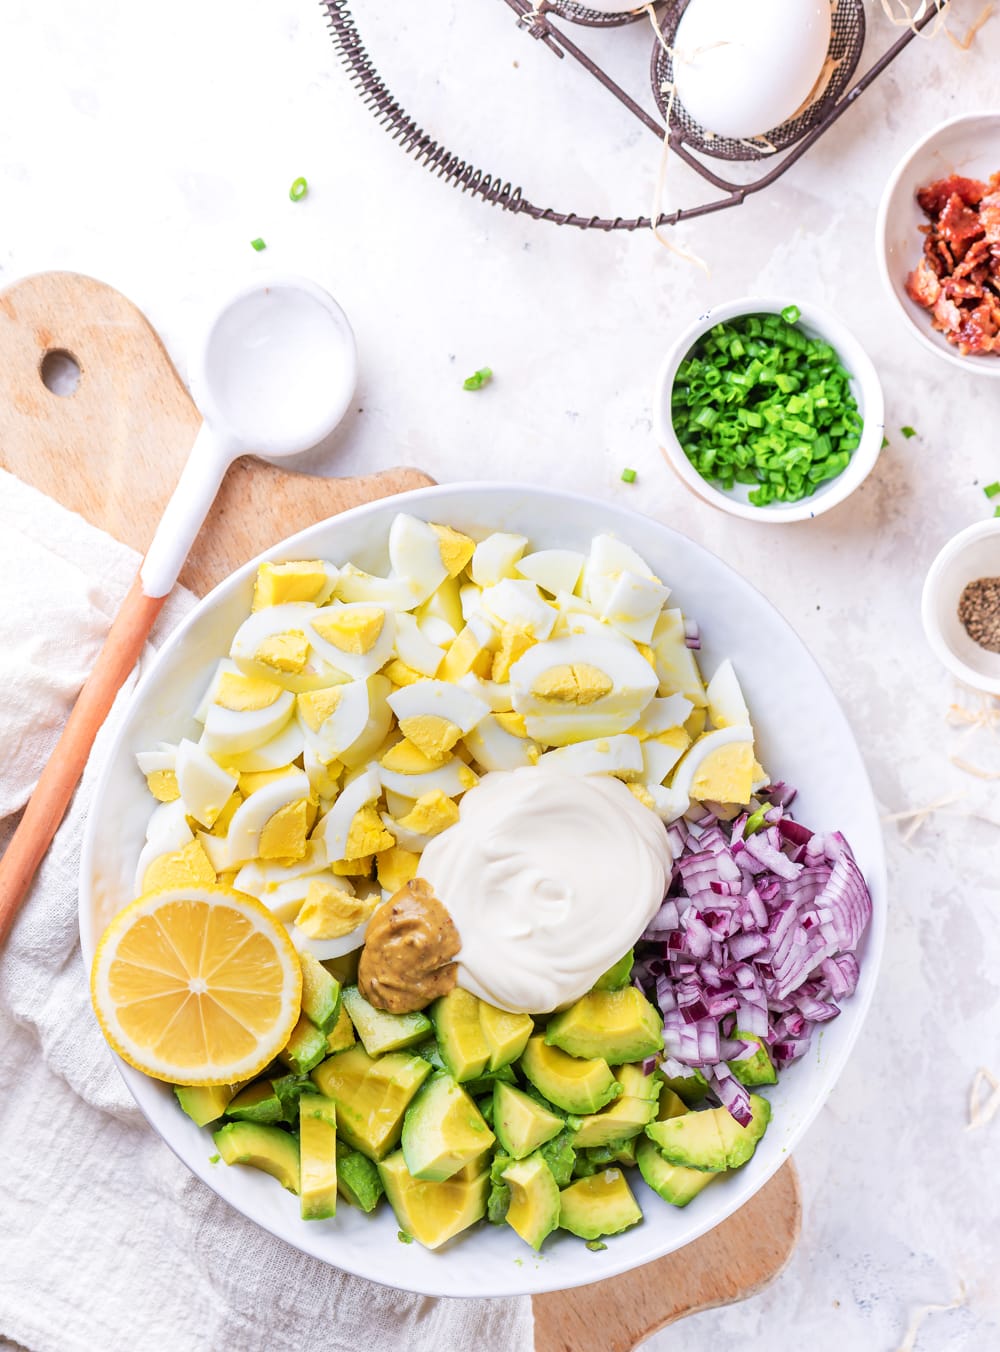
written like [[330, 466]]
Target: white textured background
[[148, 144]]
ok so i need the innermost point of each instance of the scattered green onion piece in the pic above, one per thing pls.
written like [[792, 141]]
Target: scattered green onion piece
[[628, 476], [298, 190], [403, 1237], [908, 432], [991, 490], [596, 1245], [214, 1159], [885, 442], [791, 314], [257, 244], [478, 379], [996, 511]]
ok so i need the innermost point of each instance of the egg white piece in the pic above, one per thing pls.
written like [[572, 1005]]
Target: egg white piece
[[607, 559], [633, 604], [558, 722], [417, 643], [620, 755], [280, 751], [405, 838], [495, 693], [166, 831], [232, 731], [676, 663], [519, 603], [243, 837], [727, 707], [658, 760], [332, 829], [453, 778], [554, 570], [442, 699], [415, 554], [284, 892], [743, 70], [444, 604], [496, 557], [204, 786], [208, 698], [494, 748], [292, 617], [695, 756], [149, 762], [356, 666], [662, 714], [324, 777], [437, 631], [327, 949], [357, 726], [355, 585]]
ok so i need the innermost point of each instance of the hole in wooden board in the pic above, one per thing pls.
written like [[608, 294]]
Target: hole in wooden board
[[60, 372]]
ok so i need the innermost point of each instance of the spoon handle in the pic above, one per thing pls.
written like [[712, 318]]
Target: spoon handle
[[55, 786]]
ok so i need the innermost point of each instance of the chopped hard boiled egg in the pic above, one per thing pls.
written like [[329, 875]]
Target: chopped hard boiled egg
[[277, 583], [620, 755], [204, 786], [582, 686], [726, 706], [496, 557], [353, 637], [718, 768], [555, 570]]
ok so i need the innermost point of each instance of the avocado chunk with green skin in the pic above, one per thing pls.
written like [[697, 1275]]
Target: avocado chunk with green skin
[[600, 1205], [381, 1031], [318, 1157], [289, 1089], [258, 1102], [320, 993], [432, 1212], [673, 1182], [711, 1140], [560, 1156], [521, 1124], [505, 1034], [483, 1084], [461, 1039], [358, 1181], [670, 1105], [204, 1103], [625, 1117], [499, 1195], [755, 1069], [534, 1207], [636, 1084], [341, 1035], [443, 1131], [431, 1052], [575, 1085], [618, 975], [264, 1147], [371, 1095], [691, 1088], [624, 1152], [305, 1048], [615, 1025]]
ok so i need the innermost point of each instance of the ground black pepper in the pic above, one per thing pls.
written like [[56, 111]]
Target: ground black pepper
[[979, 611]]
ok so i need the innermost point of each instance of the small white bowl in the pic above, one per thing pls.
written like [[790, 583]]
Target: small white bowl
[[968, 145], [865, 386], [972, 553]]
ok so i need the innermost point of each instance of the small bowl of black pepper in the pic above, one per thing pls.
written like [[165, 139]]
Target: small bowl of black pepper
[[960, 607]]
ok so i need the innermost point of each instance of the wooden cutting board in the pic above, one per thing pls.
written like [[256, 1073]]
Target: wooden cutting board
[[112, 450]]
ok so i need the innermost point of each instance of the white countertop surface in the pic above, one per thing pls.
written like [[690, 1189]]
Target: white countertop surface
[[148, 145]]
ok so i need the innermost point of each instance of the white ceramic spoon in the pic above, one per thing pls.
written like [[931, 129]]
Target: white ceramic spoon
[[273, 376]]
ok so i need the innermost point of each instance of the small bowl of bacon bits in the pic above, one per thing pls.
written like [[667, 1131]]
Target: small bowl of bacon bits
[[938, 241]]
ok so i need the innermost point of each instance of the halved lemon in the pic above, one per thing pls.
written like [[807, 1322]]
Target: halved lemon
[[196, 985]]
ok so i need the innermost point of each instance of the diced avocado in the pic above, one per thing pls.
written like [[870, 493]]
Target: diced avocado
[[371, 1096], [636, 1084], [670, 1105], [624, 1152], [341, 1035], [756, 1068], [431, 1052], [533, 1211], [674, 1183], [306, 1047], [381, 1031], [204, 1103], [560, 1156], [521, 1124], [483, 1084], [618, 975], [264, 1147], [320, 993], [615, 1025], [691, 1088], [345, 969], [358, 1181], [600, 1205], [574, 1085], [258, 1102], [625, 1117], [505, 1034], [499, 1196], [443, 1131], [584, 1166], [711, 1140], [432, 1212], [460, 1035], [289, 1089], [318, 1157]]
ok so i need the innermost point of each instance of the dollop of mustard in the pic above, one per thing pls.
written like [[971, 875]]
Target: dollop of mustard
[[409, 952]]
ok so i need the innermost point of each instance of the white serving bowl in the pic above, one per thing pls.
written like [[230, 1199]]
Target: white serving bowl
[[802, 736], [968, 145], [865, 386], [972, 553]]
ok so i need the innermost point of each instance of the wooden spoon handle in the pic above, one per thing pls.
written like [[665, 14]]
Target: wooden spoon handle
[[61, 775]]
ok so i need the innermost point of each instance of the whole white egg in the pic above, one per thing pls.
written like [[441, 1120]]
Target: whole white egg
[[744, 67]]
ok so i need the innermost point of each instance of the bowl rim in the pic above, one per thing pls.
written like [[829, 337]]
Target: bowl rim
[[925, 335], [877, 877], [850, 351], [930, 605]]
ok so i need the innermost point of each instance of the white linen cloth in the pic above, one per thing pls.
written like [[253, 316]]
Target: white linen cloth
[[107, 1240]]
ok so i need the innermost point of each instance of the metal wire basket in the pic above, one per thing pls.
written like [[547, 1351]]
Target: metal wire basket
[[539, 19]]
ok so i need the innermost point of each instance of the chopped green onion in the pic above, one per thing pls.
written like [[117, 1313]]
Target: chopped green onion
[[991, 490], [596, 1245], [257, 244], [628, 476], [791, 314], [908, 432], [885, 442], [478, 379], [403, 1237], [996, 511], [298, 190], [214, 1159]]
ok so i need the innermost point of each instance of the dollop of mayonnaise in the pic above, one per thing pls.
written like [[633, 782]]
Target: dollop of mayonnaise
[[549, 880]]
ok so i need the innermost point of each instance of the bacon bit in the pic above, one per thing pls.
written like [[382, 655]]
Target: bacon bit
[[958, 278]]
